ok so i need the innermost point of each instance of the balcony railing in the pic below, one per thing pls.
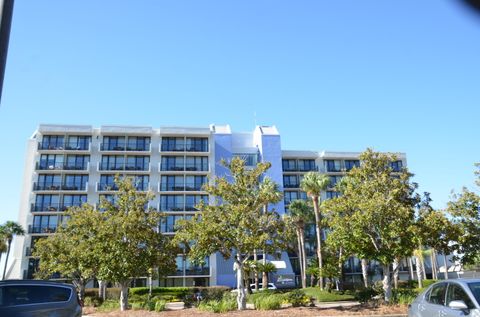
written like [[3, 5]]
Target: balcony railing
[[172, 207], [300, 168], [46, 207], [102, 187], [193, 187], [125, 147], [60, 186], [295, 185], [64, 146], [44, 166], [102, 166], [42, 229], [197, 167]]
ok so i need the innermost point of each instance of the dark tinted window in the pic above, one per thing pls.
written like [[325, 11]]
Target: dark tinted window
[[32, 294], [456, 292], [437, 294], [475, 288]]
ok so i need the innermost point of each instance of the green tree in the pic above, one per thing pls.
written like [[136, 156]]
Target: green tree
[[313, 183], [73, 250], [235, 225], [270, 193], [266, 268], [131, 244], [381, 211], [9, 230], [3, 243], [301, 213]]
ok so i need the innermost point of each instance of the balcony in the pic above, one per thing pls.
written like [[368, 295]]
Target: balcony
[[42, 229], [121, 147], [171, 207], [53, 207], [291, 185], [65, 146], [44, 166], [197, 167], [193, 187], [60, 186], [123, 167], [106, 187]]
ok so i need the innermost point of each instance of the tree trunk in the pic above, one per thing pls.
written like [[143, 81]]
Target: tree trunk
[[434, 264], [340, 269], [241, 298], [387, 283], [255, 273], [300, 257], [124, 295], [102, 289], [419, 271], [445, 273], [304, 259], [6, 259], [318, 229], [410, 268], [396, 268], [364, 272]]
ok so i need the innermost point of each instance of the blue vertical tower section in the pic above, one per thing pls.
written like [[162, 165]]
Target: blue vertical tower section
[[223, 151], [267, 139]]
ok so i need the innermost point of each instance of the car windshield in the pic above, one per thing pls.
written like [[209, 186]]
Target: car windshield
[[475, 288]]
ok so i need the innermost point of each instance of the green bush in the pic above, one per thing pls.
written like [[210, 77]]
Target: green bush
[[92, 301], [226, 304], [268, 302], [110, 293], [160, 305], [365, 295], [404, 296], [297, 298], [109, 305]]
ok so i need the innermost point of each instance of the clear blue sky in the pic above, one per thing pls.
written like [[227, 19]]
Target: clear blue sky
[[335, 75]]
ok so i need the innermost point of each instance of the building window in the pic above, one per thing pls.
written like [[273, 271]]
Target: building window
[[47, 203], [172, 183], [112, 163], [333, 165], [197, 268], [137, 163], [290, 196], [191, 201], [78, 142], [289, 165], [290, 181], [107, 182], [173, 144], [75, 182], [306, 165], [250, 159], [396, 166], [52, 142], [44, 224], [77, 162], [334, 180], [51, 162], [136, 143], [167, 223], [113, 143], [349, 164], [196, 163], [73, 201], [141, 182], [195, 183], [197, 145], [332, 194], [173, 163], [172, 202], [48, 182]]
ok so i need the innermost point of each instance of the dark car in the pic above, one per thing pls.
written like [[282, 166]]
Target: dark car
[[35, 298]]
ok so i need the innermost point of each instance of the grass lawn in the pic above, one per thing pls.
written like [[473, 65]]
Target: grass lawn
[[324, 296]]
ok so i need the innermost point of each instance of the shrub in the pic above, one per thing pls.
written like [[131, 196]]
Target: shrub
[[109, 304], [160, 305], [324, 296], [111, 292], [268, 302], [297, 298], [404, 296], [92, 301], [366, 294], [226, 304]]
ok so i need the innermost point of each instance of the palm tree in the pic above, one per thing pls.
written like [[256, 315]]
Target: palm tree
[[313, 183], [10, 229], [301, 213], [269, 193], [3, 244], [266, 268]]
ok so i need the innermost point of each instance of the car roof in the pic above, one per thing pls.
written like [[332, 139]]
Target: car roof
[[34, 282]]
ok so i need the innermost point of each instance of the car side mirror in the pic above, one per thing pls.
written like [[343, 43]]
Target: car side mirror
[[458, 305]]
